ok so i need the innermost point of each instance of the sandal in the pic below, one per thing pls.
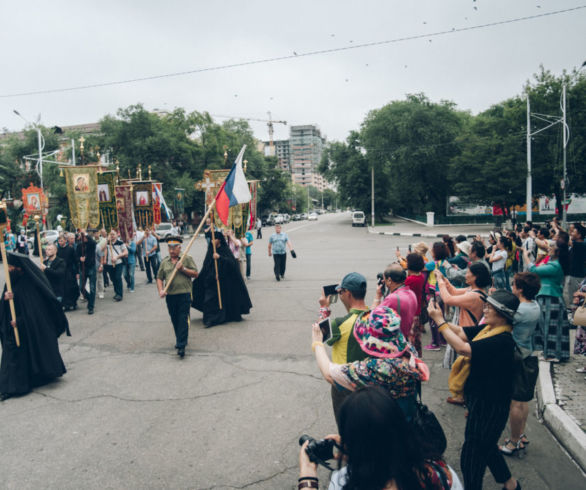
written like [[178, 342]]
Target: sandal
[[455, 401], [523, 439], [508, 451]]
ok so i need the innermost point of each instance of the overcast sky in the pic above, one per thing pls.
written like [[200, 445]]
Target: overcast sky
[[60, 44]]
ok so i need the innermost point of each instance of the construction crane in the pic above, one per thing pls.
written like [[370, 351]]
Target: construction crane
[[269, 122]]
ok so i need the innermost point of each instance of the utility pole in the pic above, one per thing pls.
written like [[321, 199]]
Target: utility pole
[[372, 196], [566, 135], [529, 178]]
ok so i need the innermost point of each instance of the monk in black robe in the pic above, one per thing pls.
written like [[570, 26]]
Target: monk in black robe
[[235, 298], [40, 321], [71, 285]]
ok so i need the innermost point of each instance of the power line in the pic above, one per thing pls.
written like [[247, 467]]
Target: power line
[[295, 55]]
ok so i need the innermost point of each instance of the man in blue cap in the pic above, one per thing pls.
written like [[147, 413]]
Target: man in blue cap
[[345, 347]]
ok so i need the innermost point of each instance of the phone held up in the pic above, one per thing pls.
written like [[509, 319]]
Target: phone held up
[[326, 328], [331, 292]]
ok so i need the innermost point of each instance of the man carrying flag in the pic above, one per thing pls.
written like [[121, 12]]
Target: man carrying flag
[[219, 290]]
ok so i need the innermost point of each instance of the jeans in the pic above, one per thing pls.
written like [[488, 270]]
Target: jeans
[[280, 264], [248, 260], [139, 256], [179, 306], [129, 275], [89, 274], [115, 273], [152, 264], [500, 279]]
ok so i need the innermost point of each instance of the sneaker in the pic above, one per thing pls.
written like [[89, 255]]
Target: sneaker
[[581, 370], [90, 311], [277, 277], [117, 298], [432, 347], [101, 295], [131, 290]]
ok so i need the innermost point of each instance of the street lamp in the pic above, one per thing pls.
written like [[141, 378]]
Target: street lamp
[[41, 143]]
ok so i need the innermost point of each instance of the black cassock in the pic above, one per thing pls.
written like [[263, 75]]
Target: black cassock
[[71, 286], [235, 298], [40, 321]]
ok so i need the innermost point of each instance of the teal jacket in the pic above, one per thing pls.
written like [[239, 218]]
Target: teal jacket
[[552, 278]]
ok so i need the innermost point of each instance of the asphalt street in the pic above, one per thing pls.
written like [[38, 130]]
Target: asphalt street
[[130, 414]]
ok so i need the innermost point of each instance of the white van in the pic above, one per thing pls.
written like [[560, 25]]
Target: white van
[[358, 218]]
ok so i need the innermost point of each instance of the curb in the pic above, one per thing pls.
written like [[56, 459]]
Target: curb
[[423, 235], [559, 423]]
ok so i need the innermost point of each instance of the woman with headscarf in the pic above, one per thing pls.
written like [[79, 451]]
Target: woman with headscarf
[[40, 321], [234, 294], [392, 363]]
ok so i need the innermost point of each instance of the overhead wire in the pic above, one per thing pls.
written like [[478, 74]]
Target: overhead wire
[[295, 55]]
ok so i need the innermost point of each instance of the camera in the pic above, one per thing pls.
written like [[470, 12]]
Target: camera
[[318, 451], [380, 279]]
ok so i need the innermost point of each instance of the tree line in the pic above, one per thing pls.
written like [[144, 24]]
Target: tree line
[[178, 146], [423, 151]]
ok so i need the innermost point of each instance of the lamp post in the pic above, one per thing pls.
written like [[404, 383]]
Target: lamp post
[[41, 144]]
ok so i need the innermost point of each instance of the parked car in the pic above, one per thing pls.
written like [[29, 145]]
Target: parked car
[[286, 218], [165, 229], [271, 219], [358, 218], [312, 216], [303, 215], [49, 236], [279, 219]]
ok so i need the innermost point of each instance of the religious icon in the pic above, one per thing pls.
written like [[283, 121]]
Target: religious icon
[[120, 203], [82, 183], [34, 202], [103, 193], [142, 198]]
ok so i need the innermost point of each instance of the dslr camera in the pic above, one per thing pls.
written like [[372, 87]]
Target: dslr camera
[[318, 451]]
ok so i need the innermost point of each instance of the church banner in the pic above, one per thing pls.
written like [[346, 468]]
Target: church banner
[[82, 195], [142, 201], [179, 201], [156, 203], [107, 200], [34, 200], [124, 211]]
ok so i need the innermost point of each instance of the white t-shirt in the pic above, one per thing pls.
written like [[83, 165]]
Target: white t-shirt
[[500, 264]]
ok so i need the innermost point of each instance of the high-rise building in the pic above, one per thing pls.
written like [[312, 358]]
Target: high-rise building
[[305, 152]]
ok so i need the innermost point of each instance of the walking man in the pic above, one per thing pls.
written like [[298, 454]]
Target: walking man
[[247, 242], [178, 296], [115, 253], [149, 252], [278, 244], [86, 255]]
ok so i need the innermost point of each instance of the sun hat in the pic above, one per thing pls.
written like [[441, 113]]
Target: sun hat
[[353, 282], [465, 247], [504, 302], [379, 333]]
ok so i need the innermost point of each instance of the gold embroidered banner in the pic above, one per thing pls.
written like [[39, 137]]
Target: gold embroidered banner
[[107, 200], [142, 201], [82, 194]]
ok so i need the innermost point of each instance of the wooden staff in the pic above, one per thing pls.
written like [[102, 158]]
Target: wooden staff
[[186, 251], [216, 262], [7, 272], [39, 238]]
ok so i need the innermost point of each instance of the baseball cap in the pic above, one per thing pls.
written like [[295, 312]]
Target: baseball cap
[[354, 282]]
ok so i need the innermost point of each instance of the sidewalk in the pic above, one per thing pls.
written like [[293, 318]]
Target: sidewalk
[[403, 227], [561, 401]]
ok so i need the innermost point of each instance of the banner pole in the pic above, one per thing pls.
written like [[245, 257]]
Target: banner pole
[[9, 285], [186, 251], [216, 262]]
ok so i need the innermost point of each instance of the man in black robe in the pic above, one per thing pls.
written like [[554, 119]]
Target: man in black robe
[[70, 287], [235, 298], [40, 321]]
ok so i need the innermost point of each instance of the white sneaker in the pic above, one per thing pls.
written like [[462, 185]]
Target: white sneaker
[[101, 295]]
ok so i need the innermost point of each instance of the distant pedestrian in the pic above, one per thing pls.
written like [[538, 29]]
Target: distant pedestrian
[[149, 253], [116, 252], [22, 243], [258, 228], [247, 241], [278, 244]]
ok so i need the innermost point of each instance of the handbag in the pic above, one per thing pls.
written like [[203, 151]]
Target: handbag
[[580, 316], [428, 430], [525, 372]]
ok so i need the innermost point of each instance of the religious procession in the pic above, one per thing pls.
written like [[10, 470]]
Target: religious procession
[[115, 233]]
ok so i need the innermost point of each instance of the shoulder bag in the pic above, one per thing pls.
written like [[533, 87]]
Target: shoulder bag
[[428, 430]]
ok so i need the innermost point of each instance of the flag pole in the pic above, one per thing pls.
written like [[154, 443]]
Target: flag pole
[[186, 251], [216, 264]]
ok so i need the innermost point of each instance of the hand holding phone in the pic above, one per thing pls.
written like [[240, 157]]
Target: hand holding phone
[[326, 328]]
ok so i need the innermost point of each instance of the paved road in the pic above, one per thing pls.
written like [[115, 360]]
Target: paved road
[[130, 414]]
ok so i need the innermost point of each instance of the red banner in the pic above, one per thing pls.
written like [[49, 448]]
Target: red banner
[[157, 202], [34, 200], [125, 215]]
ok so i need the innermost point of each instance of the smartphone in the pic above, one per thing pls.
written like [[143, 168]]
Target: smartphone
[[409, 248], [330, 290], [326, 328]]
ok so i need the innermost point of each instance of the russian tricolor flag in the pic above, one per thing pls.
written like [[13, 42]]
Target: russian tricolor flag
[[234, 190]]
